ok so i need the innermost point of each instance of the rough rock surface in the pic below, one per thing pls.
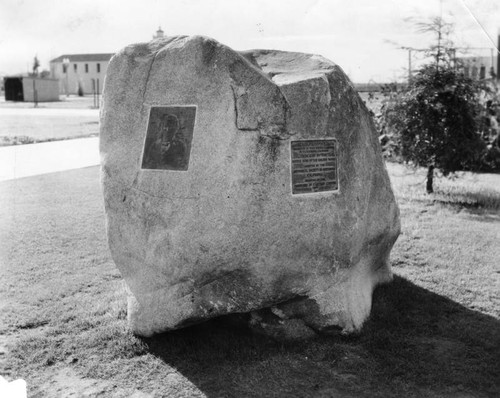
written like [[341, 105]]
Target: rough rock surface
[[215, 228]]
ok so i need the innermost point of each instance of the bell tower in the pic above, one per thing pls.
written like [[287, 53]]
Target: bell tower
[[159, 33]]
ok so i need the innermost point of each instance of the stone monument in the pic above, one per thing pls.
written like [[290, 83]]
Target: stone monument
[[236, 182]]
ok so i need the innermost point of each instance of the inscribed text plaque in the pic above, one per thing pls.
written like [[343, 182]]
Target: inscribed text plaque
[[314, 166]]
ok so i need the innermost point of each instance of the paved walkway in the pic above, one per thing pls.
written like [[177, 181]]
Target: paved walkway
[[48, 157]]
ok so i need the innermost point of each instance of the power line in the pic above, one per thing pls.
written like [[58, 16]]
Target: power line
[[482, 27]]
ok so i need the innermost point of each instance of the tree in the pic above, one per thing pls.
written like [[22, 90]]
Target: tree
[[435, 119], [443, 50], [36, 65]]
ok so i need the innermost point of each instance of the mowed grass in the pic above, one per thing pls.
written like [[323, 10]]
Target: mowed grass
[[30, 129], [21, 123], [434, 331]]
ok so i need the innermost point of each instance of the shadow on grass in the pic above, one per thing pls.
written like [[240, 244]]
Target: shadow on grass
[[485, 199], [415, 343]]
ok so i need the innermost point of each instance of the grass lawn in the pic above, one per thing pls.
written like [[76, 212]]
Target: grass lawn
[[20, 123], [434, 331]]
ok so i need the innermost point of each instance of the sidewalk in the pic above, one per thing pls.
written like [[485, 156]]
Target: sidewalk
[[19, 161]]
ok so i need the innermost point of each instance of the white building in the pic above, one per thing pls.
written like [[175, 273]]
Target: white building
[[480, 67], [85, 71]]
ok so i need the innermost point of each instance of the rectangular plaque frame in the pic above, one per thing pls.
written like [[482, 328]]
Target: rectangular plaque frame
[[314, 166], [169, 138]]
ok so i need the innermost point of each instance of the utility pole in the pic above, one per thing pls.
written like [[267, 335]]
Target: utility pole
[[66, 70], [409, 66], [498, 56], [410, 49], [35, 93]]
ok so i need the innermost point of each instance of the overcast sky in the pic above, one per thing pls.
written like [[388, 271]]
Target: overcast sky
[[361, 36]]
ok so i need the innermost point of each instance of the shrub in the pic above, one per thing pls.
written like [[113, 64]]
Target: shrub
[[442, 120], [80, 89]]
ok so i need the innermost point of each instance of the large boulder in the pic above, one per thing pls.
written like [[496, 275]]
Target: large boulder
[[235, 182]]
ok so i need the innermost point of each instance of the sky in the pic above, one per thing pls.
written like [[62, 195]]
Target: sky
[[362, 36]]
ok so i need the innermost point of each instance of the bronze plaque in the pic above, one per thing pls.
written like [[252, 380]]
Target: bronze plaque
[[314, 166], [169, 137]]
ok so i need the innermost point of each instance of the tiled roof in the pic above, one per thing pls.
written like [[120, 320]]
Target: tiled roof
[[83, 57]]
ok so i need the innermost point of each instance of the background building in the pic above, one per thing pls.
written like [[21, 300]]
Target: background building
[[80, 71], [479, 68], [31, 89], [159, 33]]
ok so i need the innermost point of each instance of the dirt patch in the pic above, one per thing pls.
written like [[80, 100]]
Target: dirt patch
[[67, 383]]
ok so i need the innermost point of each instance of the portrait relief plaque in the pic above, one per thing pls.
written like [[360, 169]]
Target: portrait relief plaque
[[168, 138], [314, 166]]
